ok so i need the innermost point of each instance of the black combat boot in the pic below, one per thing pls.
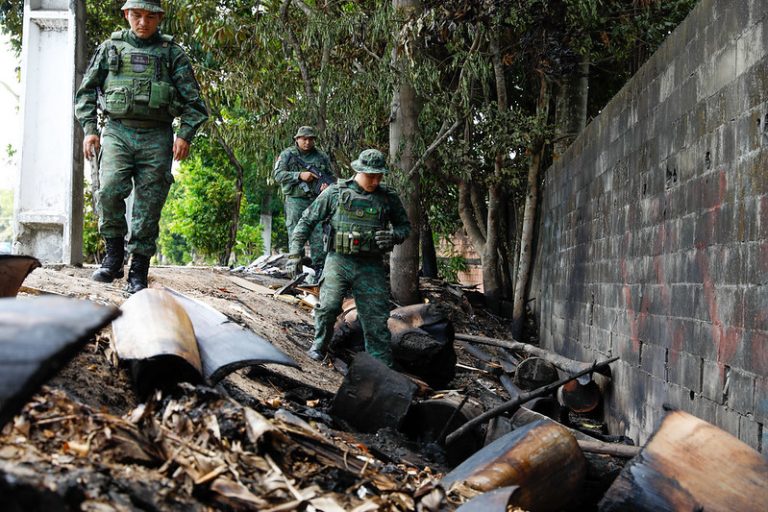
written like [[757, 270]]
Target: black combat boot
[[137, 275], [112, 264]]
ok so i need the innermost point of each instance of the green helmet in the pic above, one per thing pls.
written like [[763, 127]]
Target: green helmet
[[371, 161], [147, 5], [305, 131]]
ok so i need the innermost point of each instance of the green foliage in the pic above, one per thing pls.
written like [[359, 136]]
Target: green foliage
[[449, 268], [93, 244]]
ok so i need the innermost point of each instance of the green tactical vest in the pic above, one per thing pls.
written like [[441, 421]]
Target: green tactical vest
[[357, 218], [139, 85]]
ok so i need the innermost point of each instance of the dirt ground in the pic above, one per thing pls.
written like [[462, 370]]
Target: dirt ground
[[95, 384]]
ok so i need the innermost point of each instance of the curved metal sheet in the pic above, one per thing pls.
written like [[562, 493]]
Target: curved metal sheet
[[39, 335], [496, 500], [224, 345]]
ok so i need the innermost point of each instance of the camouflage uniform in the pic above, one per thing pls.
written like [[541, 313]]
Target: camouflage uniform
[[141, 85], [354, 262], [298, 195]]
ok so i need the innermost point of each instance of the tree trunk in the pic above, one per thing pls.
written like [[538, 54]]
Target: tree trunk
[[227, 256], [265, 219], [428, 253], [403, 131], [571, 107], [529, 218]]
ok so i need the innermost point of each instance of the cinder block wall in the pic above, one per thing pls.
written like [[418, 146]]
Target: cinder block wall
[[653, 241]]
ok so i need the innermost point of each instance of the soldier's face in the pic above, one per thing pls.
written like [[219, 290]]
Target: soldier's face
[[305, 143], [143, 23], [368, 181]]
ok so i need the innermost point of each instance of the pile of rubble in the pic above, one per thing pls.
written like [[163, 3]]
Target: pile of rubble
[[472, 421]]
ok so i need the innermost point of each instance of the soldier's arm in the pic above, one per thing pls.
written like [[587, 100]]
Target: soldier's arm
[[283, 172], [194, 112], [320, 209], [401, 226], [87, 95]]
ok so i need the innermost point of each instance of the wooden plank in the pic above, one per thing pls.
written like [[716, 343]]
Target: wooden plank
[[224, 345], [13, 270], [155, 337], [689, 464], [251, 286], [39, 335]]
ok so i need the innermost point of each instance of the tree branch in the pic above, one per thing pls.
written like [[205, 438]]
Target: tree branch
[[441, 136], [294, 43]]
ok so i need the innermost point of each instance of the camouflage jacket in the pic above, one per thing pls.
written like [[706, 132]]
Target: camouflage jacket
[[193, 111], [289, 165], [324, 207]]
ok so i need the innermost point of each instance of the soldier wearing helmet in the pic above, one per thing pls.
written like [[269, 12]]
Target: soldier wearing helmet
[[296, 170], [367, 220], [141, 81]]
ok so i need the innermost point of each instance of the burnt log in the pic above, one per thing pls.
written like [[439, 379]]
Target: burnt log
[[567, 365], [38, 336], [430, 420], [373, 396], [421, 338], [689, 464], [534, 373], [538, 458], [13, 270]]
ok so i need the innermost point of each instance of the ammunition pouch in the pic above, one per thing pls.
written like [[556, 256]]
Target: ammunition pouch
[[354, 242]]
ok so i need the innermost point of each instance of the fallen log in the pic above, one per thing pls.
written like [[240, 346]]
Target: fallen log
[[689, 464], [565, 364], [535, 372], [39, 335], [538, 458], [13, 270], [514, 404]]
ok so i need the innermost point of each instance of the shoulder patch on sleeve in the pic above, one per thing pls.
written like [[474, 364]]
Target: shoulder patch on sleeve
[[117, 35], [166, 38]]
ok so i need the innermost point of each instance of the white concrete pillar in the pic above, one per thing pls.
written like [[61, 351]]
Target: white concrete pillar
[[48, 205]]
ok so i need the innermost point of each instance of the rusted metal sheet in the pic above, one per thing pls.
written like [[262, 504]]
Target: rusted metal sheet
[[496, 500], [373, 396], [578, 397], [224, 345], [155, 337], [539, 457], [13, 270], [38, 336], [689, 464]]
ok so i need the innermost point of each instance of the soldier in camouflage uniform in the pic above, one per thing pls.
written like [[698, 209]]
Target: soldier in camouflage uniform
[[292, 173], [142, 81], [367, 220]]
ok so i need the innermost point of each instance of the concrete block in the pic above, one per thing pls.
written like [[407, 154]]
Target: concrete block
[[705, 409], [653, 360], [741, 388], [713, 380], [728, 420], [760, 406], [685, 370], [755, 349], [750, 431]]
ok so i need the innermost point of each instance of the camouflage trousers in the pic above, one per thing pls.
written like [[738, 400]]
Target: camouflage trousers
[[294, 207], [366, 278], [137, 159]]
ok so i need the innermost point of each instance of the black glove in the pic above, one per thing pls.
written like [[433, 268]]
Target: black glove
[[385, 239], [293, 265]]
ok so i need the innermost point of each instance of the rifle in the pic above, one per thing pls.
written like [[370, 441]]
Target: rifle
[[321, 178]]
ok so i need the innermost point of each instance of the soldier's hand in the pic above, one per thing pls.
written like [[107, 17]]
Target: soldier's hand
[[306, 176], [91, 146], [385, 239], [293, 265], [180, 149]]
